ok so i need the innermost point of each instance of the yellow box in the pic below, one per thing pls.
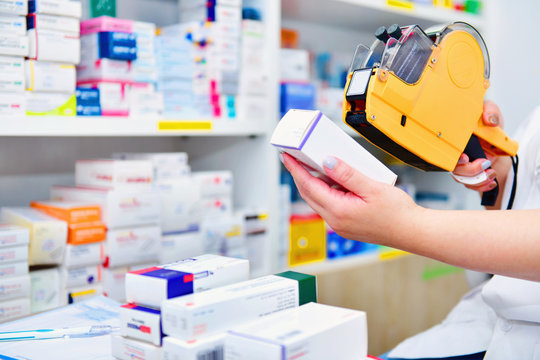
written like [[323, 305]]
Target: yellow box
[[307, 239]]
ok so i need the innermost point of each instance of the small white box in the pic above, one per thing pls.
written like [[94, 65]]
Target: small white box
[[14, 309], [145, 104], [50, 77], [129, 349], [183, 277], [12, 235], [50, 103], [57, 23], [213, 311], [216, 206], [119, 208], [14, 25], [310, 137], [14, 45], [80, 293], [13, 269], [113, 97], [82, 255], [13, 254], [12, 82], [312, 331], [222, 234], [214, 182], [182, 245], [294, 65], [141, 323], [54, 46], [112, 174], [48, 235], [114, 284], [211, 347], [80, 276], [131, 246], [14, 7], [14, 287], [45, 288], [144, 29], [180, 204], [12, 64], [58, 7], [104, 70], [13, 104]]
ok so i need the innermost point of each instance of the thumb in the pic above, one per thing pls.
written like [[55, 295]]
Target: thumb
[[347, 176]]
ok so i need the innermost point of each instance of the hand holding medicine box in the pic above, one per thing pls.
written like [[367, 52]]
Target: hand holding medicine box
[[310, 137]]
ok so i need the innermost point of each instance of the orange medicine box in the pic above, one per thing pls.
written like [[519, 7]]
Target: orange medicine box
[[70, 212], [86, 233]]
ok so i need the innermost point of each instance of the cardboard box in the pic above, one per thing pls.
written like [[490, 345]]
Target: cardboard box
[[111, 45], [82, 255], [13, 105], [50, 77], [86, 233], [131, 246], [12, 65], [14, 7], [211, 347], [14, 25], [180, 205], [77, 294], [222, 234], [80, 276], [216, 206], [93, 70], [144, 29], [54, 46], [14, 309], [13, 269], [310, 137], [219, 309], [114, 97], [141, 323], [312, 331], [86, 96], [110, 174], [114, 284], [13, 254], [12, 235], [181, 245], [47, 234], [187, 276], [14, 45], [56, 7], [54, 22], [214, 182], [128, 349], [120, 208], [45, 290], [14, 287], [145, 104], [294, 65], [106, 23], [70, 212], [50, 103]]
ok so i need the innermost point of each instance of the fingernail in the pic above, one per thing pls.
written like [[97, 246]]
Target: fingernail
[[494, 119], [486, 165], [491, 176], [492, 185], [462, 160], [330, 162]]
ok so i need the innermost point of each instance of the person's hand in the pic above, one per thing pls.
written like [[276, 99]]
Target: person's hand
[[491, 116], [363, 209]]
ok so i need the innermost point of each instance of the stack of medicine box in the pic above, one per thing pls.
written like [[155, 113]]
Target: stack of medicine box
[[182, 77], [197, 324], [108, 45], [130, 210], [55, 49], [146, 290], [223, 17], [48, 237], [14, 278], [80, 272], [145, 101], [13, 49], [180, 204]]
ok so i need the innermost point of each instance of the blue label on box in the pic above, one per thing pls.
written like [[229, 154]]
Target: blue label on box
[[87, 96], [178, 283], [297, 96], [88, 110], [117, 38]]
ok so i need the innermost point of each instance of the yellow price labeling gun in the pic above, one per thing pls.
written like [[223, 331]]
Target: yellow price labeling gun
[[419, 96]]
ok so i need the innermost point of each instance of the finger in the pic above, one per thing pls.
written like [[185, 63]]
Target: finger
[[485, 187], [348, 177], [463, 159], [491, 115], [473, 168]]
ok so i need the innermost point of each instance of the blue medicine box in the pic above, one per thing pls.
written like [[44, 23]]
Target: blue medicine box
[[117, 45], [88, 102], [297, 96], [337, 246]]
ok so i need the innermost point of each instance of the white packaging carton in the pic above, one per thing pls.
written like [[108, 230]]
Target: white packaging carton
[[80, 276], [14, 45], [13, 269], [93, 70], [110, 174], [57, 23], [183, 277], [15, 25], [224, 233], [48, 235], [312, 331], [114, 97], [214, 183], [216, 206], [128, 349], [12, 235], [12, 65], [182, 245], [50, 77], [14, 287], [211, 347], [58, 7], [141, 323], [14, 7], [13, 309], [119, 208], [114, 282], [181, 208], [13, 254], [82, 255], [50, 103], [45, 290], [131, 246], [213, 311], [12, 82], [54, 46], [311, 137], [13, 104], [294, 65]]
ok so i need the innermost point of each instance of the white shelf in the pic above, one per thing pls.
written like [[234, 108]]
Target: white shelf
[[124, 126], [368, 15], [334, 265]]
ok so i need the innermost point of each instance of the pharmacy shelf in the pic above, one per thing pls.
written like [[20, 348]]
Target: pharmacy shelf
[[368, 15], [125, 126], [339, 264]]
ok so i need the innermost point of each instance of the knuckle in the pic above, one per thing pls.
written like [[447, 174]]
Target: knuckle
[[346, 175]]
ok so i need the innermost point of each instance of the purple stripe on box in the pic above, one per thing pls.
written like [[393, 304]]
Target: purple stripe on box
[[310, 130], [145, 309]]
